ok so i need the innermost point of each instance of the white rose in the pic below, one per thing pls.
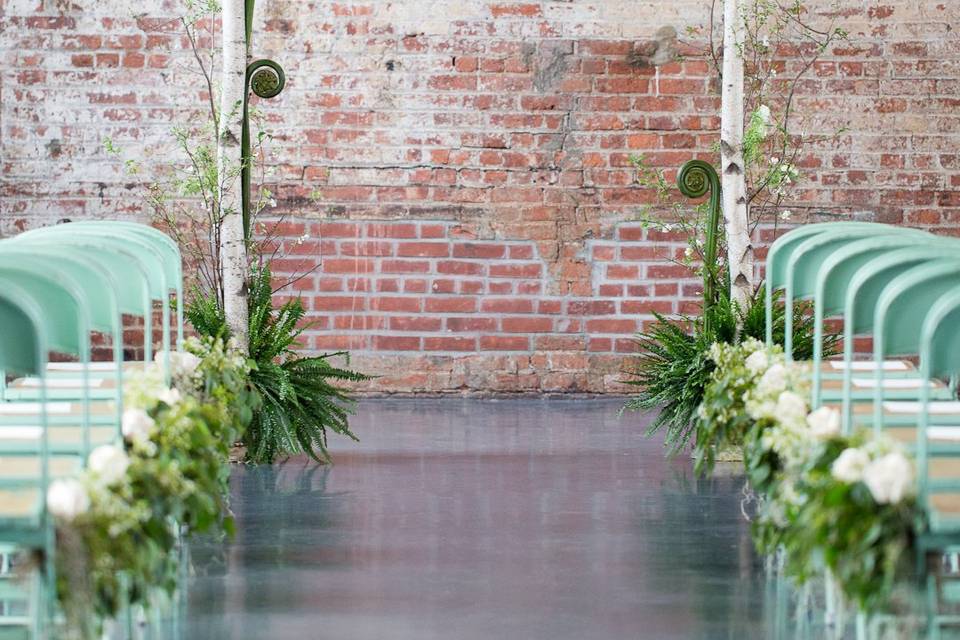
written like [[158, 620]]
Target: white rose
[[137, 425], [169, 396], [108, 463], [757, 362], [187, 363], [849, 465], [775, 379], [824, 423], [67, 499], [791, 408], [889, 478]]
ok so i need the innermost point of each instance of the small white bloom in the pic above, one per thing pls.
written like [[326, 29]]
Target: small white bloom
[[849, 465], [757, 361], [785, 215], [824, 423], [108, 463], [775, 378], [67, 499], [688, 252], [764, 113], [169, 396], [137, 425], [765, 41], [889, 478], [791, 408]]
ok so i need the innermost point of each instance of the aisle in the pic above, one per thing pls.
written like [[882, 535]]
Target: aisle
[[471, 519]]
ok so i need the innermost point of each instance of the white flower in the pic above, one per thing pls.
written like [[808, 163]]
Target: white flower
[[849, 465], [182, 363], [67, 499], [785, 215], [169, 396], [763, 112], [137, 425], [108, 463], [824, 422], [775, 378], [791, 408], [757, 361], [889, 478]]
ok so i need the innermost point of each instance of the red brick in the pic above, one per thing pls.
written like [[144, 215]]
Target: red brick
[[449, 344], [396, 343], [526, 325], [415, 323], [388, 303], [339, 303], [531, 270], [423, 249], [506, 305], [477, 250], [504, 343], [450, 305], [454, 267], [471, 324], [611, 326]]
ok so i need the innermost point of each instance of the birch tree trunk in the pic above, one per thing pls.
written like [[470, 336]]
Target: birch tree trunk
[[733, 174], [233, 248]]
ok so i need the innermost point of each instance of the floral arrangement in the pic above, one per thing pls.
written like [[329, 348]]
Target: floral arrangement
[[120, 521], [843, 503], [722, 420]]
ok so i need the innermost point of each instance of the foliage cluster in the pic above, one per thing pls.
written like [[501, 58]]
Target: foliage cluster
[[300, 396], [121, 521]]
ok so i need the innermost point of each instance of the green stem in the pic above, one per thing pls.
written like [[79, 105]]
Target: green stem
[[696, 179]]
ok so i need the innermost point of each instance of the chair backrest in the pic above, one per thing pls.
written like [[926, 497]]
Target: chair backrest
[[834, 276], [24, 349], [939, 357], [173, 261], [125, 254], [800, 276], [780, 251], [20, 352]]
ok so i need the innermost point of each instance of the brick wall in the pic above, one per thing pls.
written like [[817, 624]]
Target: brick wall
[[462, 166]]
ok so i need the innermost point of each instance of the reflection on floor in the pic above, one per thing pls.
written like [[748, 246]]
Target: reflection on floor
[[477, 519]]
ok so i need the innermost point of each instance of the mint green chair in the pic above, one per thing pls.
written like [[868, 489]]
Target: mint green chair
[[832, 280], [139, 256], [901, 308], [779, 254], [166, 246], [64, 298], [866, 283], [146, 259], [806, 257], [124, 274], [24, 521]]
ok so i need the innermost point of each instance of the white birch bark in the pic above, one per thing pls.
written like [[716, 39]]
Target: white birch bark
[[733, 174], [233, 250]]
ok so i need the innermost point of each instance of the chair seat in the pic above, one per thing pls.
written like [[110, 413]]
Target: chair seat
[[20, 504], [96, 369], [27, 467], [67, 413], [60, 439], [61, 388], [903, 388], [835, 369]]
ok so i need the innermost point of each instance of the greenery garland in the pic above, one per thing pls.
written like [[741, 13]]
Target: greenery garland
[[120, 522]]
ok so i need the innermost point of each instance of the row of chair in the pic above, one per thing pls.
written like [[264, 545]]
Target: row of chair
[[901, 287], [59, 287]]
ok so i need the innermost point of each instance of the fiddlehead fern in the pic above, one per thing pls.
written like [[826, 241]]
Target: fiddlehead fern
[[266, 79], [695, 180]]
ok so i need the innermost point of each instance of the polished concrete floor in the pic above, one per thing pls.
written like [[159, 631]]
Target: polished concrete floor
[[478, 519]]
